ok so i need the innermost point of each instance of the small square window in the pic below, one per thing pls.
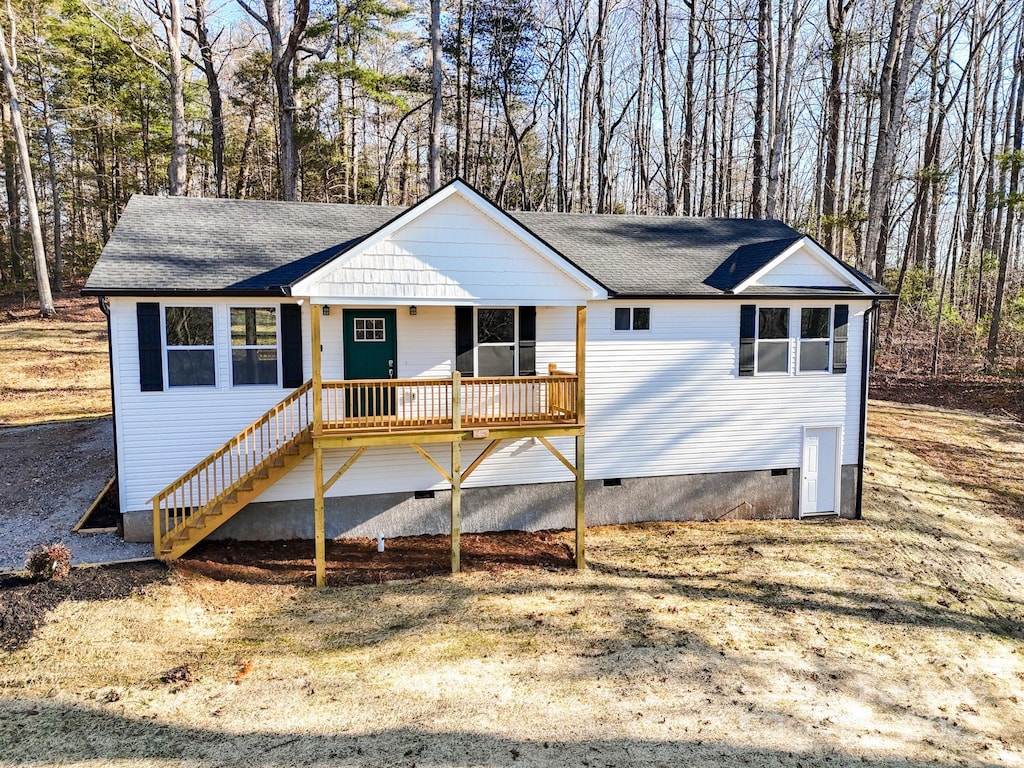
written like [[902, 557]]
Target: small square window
[[632, 318]]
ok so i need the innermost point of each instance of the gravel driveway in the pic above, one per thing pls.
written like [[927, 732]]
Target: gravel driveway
[[50, 475]]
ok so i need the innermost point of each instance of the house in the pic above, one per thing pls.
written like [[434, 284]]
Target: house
[[287, 370]]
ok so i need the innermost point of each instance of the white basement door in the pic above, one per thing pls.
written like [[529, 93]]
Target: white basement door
[[818, 471]]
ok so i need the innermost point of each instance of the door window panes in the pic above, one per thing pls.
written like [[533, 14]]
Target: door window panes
[[369, 329]]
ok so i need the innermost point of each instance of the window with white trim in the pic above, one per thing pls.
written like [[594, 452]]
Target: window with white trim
[[189, 347], [496, 341], [772, 351], [254, 346], [632, 318], [815, 338]]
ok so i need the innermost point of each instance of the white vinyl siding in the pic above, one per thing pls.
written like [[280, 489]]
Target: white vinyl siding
[[453, 254], [802, 268], [666, 402]]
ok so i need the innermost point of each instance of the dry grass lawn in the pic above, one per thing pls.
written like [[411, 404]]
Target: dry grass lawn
[[896, 641], [53, 370]]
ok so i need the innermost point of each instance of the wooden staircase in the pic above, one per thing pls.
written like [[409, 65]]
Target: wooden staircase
[[225, 482]]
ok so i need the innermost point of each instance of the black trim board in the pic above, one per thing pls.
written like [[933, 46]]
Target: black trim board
[[865, 357]]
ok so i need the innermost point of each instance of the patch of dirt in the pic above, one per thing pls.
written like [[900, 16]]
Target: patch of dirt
[[994, 395], [23, 304], [357, 561], [981, 456], [24, 603], [106, 513]]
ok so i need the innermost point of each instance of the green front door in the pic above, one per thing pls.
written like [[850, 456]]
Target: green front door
[[371, 352]]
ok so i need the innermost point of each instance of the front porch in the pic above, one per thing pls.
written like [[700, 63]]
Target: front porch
[[361, 414]]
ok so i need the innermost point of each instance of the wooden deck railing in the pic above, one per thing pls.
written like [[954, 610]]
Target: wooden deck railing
[[409, 404], [367, 405], [214, 478]]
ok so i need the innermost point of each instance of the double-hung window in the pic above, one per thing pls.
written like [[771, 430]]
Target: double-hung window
[[496, 342], [188, 340], [254, 345], [771, 338], [772, 353], [815, 335]]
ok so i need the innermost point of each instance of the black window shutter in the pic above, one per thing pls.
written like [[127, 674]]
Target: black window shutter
[[464, 341], [291, 346], [748, 318], [151, 358], [527, 341], [840, 325]]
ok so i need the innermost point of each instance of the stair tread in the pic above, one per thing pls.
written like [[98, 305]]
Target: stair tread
[[240, 494]]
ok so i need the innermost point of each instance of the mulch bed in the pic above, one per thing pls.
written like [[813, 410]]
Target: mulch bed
[[24, 603], [106, 514], [357, 561]]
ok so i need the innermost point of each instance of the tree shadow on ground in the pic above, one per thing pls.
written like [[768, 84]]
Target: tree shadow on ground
[[64, 733]]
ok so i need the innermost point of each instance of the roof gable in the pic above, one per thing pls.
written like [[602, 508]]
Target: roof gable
[[800, 263], [453, 248]]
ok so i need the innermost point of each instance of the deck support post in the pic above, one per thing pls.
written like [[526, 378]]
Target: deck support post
[[318, 514], [319, 535], [456, 471], [581, 488], [157, 534]]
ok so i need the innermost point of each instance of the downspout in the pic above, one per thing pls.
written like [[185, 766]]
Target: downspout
[[105, 309], [865, 366]]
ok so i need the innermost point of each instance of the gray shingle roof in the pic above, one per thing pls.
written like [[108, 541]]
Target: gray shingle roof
[[204, 245]]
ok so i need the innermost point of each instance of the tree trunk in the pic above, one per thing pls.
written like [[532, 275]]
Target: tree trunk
[[10, 62], [662, 44], [893, 90], [216, 101], [51, 167], [1011, 198], [435, 105], [177, 171], [761, 88], [284, 49], [14, 234]]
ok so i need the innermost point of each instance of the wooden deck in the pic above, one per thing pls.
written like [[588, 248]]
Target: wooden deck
[[358, 414], [362, 413]]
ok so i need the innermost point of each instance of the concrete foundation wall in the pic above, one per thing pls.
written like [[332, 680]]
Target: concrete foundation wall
[[757, 495]]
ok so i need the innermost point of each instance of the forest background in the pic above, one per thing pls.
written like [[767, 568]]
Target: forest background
[[889, 130]]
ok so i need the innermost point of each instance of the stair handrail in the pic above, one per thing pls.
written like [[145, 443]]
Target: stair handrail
[[291, 424]]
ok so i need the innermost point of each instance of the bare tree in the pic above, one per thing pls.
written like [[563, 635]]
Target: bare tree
[[9, 59], [435, 90], [201, 34], [285, 39], [173, 72], [892, 93]]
